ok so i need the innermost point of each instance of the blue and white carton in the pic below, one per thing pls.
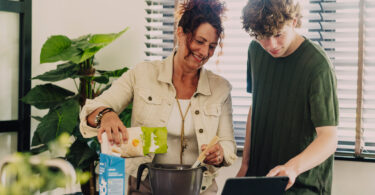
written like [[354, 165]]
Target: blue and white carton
[[111, 175]]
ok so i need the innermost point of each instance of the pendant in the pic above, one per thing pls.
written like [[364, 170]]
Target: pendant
[[184, 145]]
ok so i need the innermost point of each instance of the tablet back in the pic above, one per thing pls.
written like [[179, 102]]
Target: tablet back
[[255, 186]]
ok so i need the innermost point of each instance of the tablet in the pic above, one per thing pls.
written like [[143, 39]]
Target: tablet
[[255, 186]]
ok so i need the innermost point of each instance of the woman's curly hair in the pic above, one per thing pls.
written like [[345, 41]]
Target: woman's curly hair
[[192, 13], [267, 17]]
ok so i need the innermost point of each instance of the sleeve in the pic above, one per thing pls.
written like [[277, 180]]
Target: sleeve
[[324, 106], [249, 82], [226, 134], [118, 96]]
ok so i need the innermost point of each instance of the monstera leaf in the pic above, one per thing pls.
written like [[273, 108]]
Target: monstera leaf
[[63, 71], [58, 48], [81, 155], [63, 118], [105, 75], [46, 96], [61, 48]]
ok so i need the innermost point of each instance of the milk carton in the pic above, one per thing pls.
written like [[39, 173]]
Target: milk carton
[[111, 175]]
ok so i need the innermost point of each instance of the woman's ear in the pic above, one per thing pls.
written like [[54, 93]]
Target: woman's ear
[[294, 22], [180, 35]]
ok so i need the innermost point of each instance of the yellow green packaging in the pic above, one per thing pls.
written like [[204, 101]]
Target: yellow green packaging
[[141, 141]]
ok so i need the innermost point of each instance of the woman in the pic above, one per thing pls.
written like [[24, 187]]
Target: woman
[[192, 102]]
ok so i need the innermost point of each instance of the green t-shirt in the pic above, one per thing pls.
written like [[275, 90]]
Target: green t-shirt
[[291, 97]]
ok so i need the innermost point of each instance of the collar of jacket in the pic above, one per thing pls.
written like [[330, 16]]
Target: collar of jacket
[[165, 75]]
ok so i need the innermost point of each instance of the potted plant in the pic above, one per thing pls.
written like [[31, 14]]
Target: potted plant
[[77, 57]]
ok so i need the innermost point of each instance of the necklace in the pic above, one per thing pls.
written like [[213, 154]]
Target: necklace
[[183, 116]]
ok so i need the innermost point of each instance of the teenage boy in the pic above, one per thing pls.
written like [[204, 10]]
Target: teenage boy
[[291, 126]]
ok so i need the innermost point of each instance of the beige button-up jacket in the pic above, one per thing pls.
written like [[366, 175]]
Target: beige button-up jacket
[[149, 86]]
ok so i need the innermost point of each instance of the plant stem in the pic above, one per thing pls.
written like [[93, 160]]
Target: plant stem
[[75, 83], [90, 87], [92, 179], [87, 89]]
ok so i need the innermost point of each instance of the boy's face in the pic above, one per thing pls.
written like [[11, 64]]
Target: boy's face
[[283, 43]]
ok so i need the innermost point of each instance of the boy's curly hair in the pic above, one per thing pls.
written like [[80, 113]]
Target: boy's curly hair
[[267, 17]]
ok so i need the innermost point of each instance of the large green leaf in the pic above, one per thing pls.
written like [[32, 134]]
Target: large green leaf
[[46, 130], [83, 45], [39, 149], [101, 79], [63, 118], [38, 118], [81, 155], [94, 144], [82, 38], [82, 42], [105, 39], [63, 71], [89, 52], [37, 140], [98, 41], [114, 73], [58, 48], [68, 114], [104, 75], [46, 96]]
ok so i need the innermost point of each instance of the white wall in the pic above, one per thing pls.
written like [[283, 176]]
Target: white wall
[[349, 178]]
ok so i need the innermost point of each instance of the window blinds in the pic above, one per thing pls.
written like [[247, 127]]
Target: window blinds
[[159, 34], [232, 65], [345, 29], [334, 24]]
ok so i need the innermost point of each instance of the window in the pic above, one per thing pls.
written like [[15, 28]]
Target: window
[[160, 22], [15, 62], [344, 28]]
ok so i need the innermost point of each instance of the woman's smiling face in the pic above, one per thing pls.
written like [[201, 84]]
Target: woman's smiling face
[[200, 48]]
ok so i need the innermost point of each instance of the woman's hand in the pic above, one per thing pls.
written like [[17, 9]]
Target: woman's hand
[[113, 126], [214, 154]]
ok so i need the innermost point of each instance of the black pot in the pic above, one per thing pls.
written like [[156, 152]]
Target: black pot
[[172, 179]]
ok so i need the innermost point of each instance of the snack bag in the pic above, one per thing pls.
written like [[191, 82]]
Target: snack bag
[[141, 141], [111, 175]]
